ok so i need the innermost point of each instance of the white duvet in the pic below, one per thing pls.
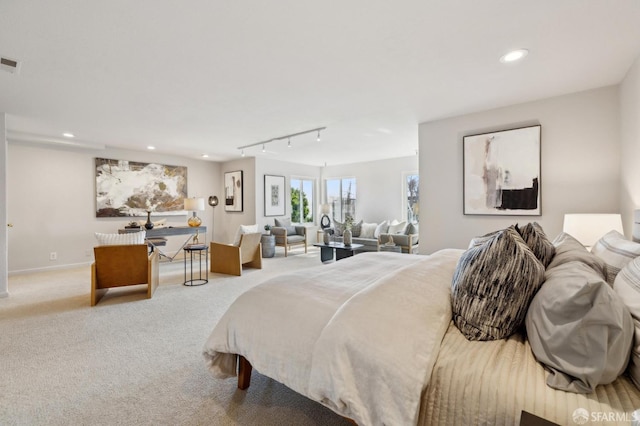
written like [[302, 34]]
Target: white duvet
[[360, 335]]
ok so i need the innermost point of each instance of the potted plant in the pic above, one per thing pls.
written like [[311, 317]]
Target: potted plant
[[267, 229]]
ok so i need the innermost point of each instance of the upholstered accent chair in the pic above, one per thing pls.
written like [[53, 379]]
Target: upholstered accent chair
[[123, 265], [229, 258], [288, 235]]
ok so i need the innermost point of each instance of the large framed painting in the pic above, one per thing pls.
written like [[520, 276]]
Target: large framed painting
[[502, 172], [131, 188], [274, 195], [233, 184]]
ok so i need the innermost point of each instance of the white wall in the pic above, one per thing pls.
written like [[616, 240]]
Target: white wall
[[51, 202], [230, 221], [267, 166], [580, 165], [630, 145], [379, 186], [4, 267]]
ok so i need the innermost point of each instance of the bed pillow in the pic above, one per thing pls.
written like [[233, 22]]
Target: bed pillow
[[537, 240], [627, 286], [579, 328], [492, 286], [368, 230], [569, 249], [616, 251], [121, 239]]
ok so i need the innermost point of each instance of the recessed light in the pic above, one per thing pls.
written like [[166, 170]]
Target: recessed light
[[151, 147], [205, 155], [68, 135], [514, 55]]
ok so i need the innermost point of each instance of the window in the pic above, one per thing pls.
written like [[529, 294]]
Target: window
[[341, 196], [412, 196], [302, 200]]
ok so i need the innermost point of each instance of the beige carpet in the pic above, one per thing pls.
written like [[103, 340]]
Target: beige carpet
[[130, 360]]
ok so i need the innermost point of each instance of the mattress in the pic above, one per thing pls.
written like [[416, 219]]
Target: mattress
[[491, 383]]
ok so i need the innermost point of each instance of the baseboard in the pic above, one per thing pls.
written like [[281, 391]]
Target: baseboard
[[4, 294], [49, 268]]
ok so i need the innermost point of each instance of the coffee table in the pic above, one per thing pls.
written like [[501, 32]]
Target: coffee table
[[342, 251]]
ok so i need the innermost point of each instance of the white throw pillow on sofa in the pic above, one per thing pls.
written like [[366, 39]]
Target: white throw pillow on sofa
[[382, 228], [368, 230], [398, 228]]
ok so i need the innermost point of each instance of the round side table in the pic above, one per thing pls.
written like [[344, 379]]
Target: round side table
[[195, 252], [268, 242]]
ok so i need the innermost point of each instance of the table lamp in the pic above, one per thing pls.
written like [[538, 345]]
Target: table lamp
[[589, 228], [194, 205]]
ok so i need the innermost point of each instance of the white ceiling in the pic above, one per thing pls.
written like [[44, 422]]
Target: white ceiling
[[207, 76]]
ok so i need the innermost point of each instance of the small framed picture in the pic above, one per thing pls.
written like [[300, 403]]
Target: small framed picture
[[233, 184], [274, 195]]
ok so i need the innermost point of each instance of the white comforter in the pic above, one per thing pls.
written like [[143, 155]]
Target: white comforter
[[360, 335]]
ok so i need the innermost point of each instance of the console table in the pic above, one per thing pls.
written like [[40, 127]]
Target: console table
[[169, 231]]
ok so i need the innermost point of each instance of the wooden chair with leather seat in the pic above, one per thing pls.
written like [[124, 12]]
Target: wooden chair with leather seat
[[123, 265], [229, 259]]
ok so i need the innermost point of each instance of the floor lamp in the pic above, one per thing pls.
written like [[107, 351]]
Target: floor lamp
[[213, 202]]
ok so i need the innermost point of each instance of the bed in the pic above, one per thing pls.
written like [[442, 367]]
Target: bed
[[372, 338]]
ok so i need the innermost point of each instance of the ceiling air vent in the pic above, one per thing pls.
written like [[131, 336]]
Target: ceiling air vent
[[9, 65]]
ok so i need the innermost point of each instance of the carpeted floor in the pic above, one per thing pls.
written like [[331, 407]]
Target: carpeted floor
[[130, 360]]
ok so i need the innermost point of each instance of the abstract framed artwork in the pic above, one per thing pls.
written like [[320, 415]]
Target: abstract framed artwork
[[233, 184], [131, 188], [274, 195], [502, 172]]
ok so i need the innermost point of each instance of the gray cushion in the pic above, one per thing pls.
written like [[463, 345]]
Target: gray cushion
[[568, 249], [616, 251], [627, 286], [537, 240], [356, 229], [492, 286], [286, 224], [579, 328], [338, 228]]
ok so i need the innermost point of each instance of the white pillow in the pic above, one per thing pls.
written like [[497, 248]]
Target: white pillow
[[616, 251], [398, 228], [120, 239], [381, 229], [244, 229], [368, 230]]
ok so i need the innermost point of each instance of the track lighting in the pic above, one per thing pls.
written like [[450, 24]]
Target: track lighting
[[288, 137]]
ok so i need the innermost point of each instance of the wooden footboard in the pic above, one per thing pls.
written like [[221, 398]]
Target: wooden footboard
[[244, 373]]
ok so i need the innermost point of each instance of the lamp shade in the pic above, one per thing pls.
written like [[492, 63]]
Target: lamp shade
[[325, 208], [589, 228], [194, 204]]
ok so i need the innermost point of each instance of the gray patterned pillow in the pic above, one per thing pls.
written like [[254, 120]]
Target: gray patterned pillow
[[493, 285], [537, 240], [356, 229], [338, 228]]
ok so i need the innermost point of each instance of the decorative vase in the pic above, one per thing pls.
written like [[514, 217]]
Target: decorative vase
[[346, 237], [149, 224], [325, 237]]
